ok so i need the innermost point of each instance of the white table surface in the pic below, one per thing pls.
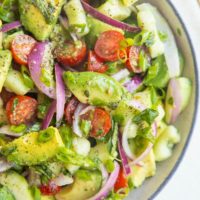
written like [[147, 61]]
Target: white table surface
[[185, 184]]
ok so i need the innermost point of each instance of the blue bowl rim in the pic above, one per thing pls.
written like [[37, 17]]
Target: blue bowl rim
[[164, 183]]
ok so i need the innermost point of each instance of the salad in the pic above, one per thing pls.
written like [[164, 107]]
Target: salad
[[89, 94]]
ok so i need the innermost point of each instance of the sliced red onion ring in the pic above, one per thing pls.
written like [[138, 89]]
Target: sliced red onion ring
[[133, 84], [5, 130], [104, 174], [60, 94], [5, 165], [75, 126], [123, 157], [47, 120], [10, 26], [121, 74], [35, 63], [98, 15], [85, 110], [62, 180], [109, 184]]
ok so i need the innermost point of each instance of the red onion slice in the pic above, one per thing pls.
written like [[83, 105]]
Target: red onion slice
[[102, 194], [35, 64], [104, 174], [47, 120], [75, 126], [60, 94], [10, 26], [98, 15], [5, 130], [121, 74], [133, 84], [123, 157]]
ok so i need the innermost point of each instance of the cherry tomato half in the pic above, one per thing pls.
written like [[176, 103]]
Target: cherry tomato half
[[21, 109], [122, 181], [70, 109], [133, 53], [50, 189], [21, 47], [101, 123], [95, 64], [107, 46], [71, 54]]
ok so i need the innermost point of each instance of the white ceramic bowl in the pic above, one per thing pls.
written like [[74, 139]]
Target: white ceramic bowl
[[186, 120]]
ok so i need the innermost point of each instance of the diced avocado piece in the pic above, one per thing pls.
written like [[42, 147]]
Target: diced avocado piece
[[158, 75], [129, 2], [34, 21], [47, 197], [7, 39], [161, 126], [28, 150], [81, 188], [5, 194], [96, 28], [16, 184], [95, 88], [147, 22], [5, 62], [182, 93], [165, 143], [115, 9], [101, 152], [140, 173], [76, 17], [15, 83]]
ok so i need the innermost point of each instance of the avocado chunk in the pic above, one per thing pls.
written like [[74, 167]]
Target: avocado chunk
[[47, 198], [16, 184], [140, 173], [29, 150], [5, 62], [95, 88], [5, 194], [34, 16], [82, 188]]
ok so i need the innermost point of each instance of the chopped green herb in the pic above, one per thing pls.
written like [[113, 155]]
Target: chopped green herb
[[86, 93], [45, 135], [35, 193], [144, 37], [143, 61], [147, 115], [18, 129], [84, 175], [163, 36], [85, 126], [67, 135], [110, 165], [170, 101], [26, 78], [15, 103]]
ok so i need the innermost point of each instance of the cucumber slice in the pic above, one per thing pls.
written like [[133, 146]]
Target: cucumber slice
[[5, 62], [14, 83], [170, 48], [77, 17], [165, 143]]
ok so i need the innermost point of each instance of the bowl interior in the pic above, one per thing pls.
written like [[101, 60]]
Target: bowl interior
[[186, 119]]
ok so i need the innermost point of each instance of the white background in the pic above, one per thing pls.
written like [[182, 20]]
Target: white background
[[185, 184]]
